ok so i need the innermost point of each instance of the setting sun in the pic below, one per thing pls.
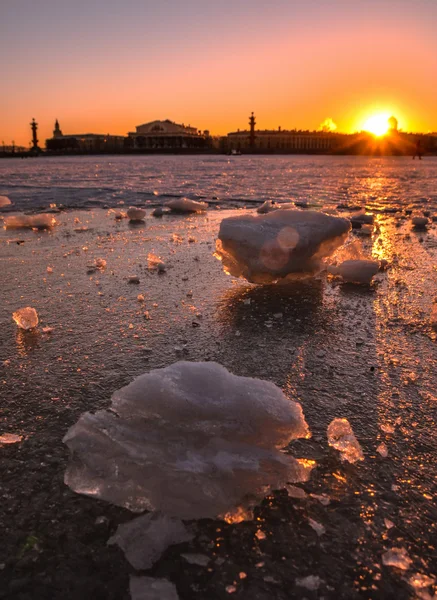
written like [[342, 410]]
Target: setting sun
[[377, 124]]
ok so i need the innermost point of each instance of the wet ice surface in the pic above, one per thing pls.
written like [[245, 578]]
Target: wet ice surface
[[362, 353]]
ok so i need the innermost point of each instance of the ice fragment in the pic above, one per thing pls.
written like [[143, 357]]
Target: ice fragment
[[26, 318], [143, 540], [342, 438], [318, 527], [397, 557], [200, 560], [191, 440], [382, 450], [43, 221], [4, 201], [185, 205], [10, 438], [284, 244], [149, 588], [135, 214], [311, 582], [355, 271]]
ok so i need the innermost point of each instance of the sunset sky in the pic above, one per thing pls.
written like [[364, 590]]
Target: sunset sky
[[105, 66]]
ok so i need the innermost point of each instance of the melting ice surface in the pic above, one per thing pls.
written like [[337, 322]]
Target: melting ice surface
[[283, 244], [342, 438], [191, 440]]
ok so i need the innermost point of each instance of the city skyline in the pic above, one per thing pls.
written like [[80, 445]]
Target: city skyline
[[108, 66]]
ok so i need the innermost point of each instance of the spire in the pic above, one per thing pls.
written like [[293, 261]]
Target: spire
[[57, 132], [252, 124]]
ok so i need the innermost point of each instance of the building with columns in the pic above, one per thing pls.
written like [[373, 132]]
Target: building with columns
[[167, 135]]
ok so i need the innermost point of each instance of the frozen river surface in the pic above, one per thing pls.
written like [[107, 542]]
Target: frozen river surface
[[87, 181]]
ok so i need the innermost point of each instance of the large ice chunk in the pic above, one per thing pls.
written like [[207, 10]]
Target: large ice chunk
[[283, 244], [190, 440], [185, 205]]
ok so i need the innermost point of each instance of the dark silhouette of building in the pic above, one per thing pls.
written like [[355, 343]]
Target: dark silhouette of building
[[84, 143], [252, 124], [168, 136]]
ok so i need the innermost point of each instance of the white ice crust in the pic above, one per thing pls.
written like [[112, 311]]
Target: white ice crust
[[190, 440], [282, 244]]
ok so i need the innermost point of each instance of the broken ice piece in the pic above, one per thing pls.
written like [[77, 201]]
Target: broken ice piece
[[100, 263], [191, 440], [10, 438], [318, 527], [295, 492], [311, 582], [149, 588], [420, 580], [355, 271], [185, 205], [135, 214], [389, 524], [342, 438], [47, 329], [200, 560], [397, 557], [43, 221], [267, 207], [143, 540], [133, 279], [4, 201], [283, 244], [382, 450], [26, 318]]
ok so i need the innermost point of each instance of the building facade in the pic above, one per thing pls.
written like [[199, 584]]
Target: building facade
[[84, 142], [167, 135], [281, 140]]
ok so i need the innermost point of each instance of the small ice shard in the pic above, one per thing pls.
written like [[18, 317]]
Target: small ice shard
[[419, 222], [397, 557], [100, 263], [311, 582], [49, 269], [389, 524], [43, 221], [155, 263], [133, 279], [140, 298], [322, 498], [135, 214], [145, 539], [185, 205], [295, 492], [260, 535], [191, 440], [355, 271], [10, 438], [420, 580], [387, 427], [4, 201], [342, 438], [283, 244], [26, 318], [267, 207], [382, 450], [47, 329], [149, 588], [200, 560], [318, 527]]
